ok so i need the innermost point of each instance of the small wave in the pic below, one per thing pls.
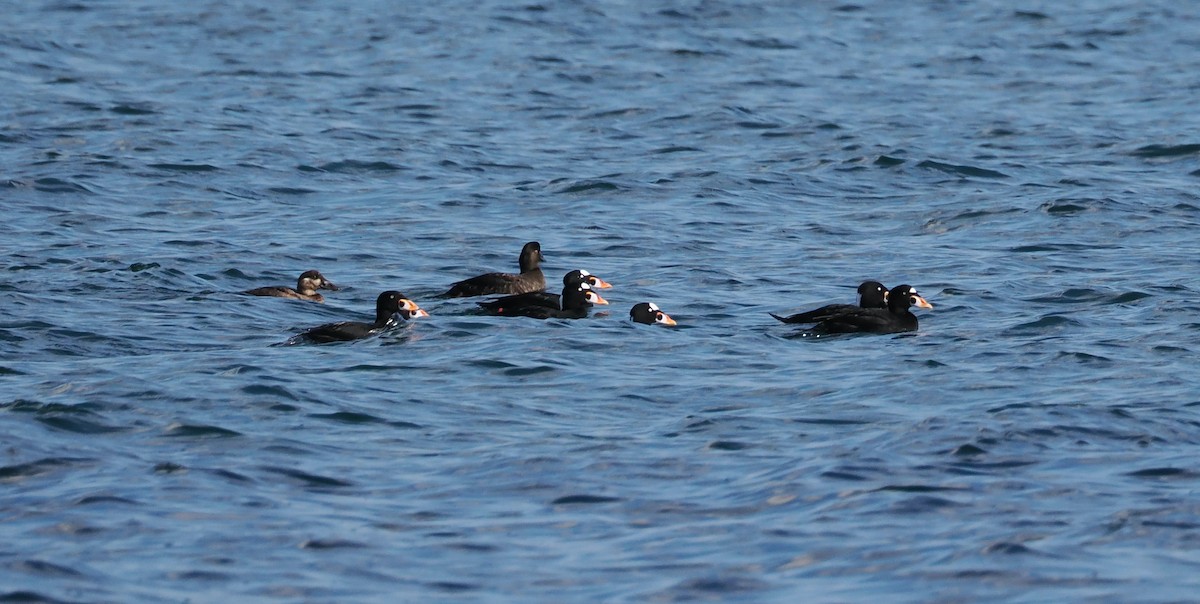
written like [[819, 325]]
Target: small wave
[[585, 186], [1006, 547], [1060, 247], [1045, 324], [1031, 14], [185, 167], [100, 499], [452, 586], [41, 567], [39, 467], [78, 425], [583, 499], [274, 391], [1167, 472], [312, 480], [917, 488], [57, 185], [1084, 357], [1067, 206], [198, 575], [291, 190], [674, 149], [823, 421], [923, 504], [1166, 150], [534, 370], [330, 544], [1088, 295], [233, 476], [968, 450], [961, 170], [28, 597], [351, 166], [349, 417], [709, 586], [843, 475], [727, 445], [131, 109], [199, 431], [70, 418], [768, 44]]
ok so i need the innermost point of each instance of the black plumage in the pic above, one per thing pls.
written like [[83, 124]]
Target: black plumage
[[530, 279], [871, 294], [895, 318], [391, 307]]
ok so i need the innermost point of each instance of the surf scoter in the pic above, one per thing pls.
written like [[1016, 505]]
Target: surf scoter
[[530, 279], [895, 318], [575, 300], [306, 288], [871, 294], [389, 306], [650, 314], [543, 298]]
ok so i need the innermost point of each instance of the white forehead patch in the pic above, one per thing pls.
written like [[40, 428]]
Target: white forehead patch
[[584, 273], [654, 307]]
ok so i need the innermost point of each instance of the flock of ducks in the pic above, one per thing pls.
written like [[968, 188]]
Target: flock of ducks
[[879, 310]]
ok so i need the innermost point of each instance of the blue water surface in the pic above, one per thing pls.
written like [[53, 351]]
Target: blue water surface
[[1030, 168]]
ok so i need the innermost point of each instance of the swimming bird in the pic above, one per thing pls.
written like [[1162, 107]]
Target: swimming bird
[[574, 303], [650, 314], [544, 298], [530, 279], [306, 288], [871, 294], [388, 307], [894, 319]]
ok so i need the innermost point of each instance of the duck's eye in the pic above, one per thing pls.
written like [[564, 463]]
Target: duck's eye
[[658, 317]]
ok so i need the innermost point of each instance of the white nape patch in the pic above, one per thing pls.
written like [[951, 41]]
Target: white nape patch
[[654, 307], [584, 286]]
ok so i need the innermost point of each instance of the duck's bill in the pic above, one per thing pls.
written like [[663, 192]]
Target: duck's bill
[[595, 298], [920, 302], [599, 283], [664, 319], [412, 308], [329, 285]]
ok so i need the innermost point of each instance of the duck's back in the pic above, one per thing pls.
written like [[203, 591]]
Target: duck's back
[[499, 283]]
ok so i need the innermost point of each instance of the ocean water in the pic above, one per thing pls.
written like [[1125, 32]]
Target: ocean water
[[1031, 168]]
